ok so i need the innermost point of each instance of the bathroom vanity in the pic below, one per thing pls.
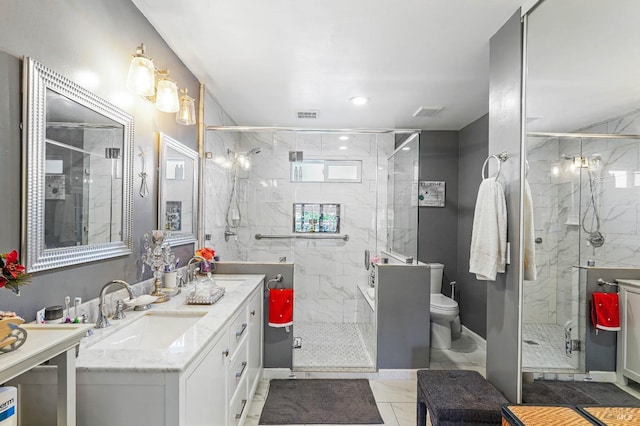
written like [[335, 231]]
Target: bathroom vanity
[[175, 364]]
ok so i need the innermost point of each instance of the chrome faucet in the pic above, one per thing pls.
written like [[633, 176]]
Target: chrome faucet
[[191, 275], [102, 320]]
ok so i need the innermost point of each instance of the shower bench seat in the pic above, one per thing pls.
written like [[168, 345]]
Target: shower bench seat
[[457, 397]]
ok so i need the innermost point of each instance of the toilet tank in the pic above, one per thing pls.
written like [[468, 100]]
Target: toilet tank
[[436, 276]]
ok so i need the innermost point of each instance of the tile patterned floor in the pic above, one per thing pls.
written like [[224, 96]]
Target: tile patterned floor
[[396, 399], [543, 348], [326, 346]]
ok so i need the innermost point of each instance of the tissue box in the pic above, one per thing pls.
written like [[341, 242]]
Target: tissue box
[[8, 406]]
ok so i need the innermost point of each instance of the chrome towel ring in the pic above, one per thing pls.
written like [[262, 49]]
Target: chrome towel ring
[[502, 157]]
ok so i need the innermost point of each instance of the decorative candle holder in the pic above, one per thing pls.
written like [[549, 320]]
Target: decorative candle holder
[[158, 255]]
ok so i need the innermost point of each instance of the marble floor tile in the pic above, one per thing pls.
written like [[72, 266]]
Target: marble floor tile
[[261, 390], [253, 415], [405, 413], [441, 355], [394, 390], [396, 399]]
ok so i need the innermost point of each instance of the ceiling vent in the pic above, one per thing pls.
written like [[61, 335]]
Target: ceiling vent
[[427, 112], [308, 114]]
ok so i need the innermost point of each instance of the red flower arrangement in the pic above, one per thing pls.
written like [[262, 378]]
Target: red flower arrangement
[[12, 274], [206, 253]]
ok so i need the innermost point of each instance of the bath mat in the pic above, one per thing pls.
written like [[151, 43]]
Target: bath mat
[[575, 393], [320, 401]]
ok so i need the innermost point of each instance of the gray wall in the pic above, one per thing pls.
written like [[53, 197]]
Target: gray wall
[[98, 36], [473, 142], [403, 316], [438, 226], [503, 295]]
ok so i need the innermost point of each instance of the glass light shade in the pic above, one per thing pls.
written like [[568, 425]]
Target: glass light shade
[[167, 96], [187, 113], [141, 77]]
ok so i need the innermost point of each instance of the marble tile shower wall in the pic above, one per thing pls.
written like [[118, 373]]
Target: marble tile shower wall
[[540, 295], [327, 272], [559, 207]]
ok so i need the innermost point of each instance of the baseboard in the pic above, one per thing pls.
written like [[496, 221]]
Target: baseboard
[[383, 374], [602, 376], [482, 343]]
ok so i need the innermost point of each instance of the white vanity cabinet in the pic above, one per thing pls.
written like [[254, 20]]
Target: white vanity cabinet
[[205, 376], [218, 391], [204, 388], [628, 357]]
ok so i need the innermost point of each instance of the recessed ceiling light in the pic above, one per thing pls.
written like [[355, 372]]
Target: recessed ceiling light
[[343, 147], [406, 148], [344, 138], [359, 100]]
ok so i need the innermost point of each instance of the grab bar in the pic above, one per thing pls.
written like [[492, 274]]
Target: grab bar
[[344, 237]]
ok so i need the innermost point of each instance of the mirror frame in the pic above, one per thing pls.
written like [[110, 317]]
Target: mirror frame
[[37, 78], [165, 142]]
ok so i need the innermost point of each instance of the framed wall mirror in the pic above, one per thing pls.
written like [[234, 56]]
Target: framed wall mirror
[[178, 191], [77, 163]]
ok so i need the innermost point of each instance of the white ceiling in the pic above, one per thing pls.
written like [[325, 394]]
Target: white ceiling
[[265, 60]]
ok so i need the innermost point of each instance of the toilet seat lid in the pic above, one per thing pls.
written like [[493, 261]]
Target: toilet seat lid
[[443, 303]]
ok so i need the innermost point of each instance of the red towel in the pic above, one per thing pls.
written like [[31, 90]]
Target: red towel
[[605, 314], [280, 307]]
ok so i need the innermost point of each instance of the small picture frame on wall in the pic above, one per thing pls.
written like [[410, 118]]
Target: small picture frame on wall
[[431, 193]]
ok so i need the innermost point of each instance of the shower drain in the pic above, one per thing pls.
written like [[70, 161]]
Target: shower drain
[[531, 342]]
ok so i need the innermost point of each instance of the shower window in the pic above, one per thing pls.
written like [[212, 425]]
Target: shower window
[[326, 171], [315, 217]]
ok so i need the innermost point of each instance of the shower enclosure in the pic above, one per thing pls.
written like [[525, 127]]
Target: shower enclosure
[[313, 198], [585, 189]]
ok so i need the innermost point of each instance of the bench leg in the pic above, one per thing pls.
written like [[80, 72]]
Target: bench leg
[[421, 415]]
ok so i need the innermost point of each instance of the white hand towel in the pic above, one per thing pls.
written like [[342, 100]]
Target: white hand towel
[[489, 235], [530, 272]]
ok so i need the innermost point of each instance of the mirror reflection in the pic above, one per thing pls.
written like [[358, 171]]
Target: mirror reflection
[[582, 147], [178, 192], [77, 160], [83, 175]]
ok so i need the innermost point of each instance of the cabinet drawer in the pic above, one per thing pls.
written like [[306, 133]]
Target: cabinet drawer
[[238, 368], [239, 404], [238, 329]]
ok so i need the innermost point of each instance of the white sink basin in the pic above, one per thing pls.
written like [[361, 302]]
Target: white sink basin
[[227, 281], [153, 330]]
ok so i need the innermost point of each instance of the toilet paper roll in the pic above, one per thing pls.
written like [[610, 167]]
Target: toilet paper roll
[[170, 279]]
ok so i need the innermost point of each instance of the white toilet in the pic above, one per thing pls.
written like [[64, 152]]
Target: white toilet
[[444, 311]]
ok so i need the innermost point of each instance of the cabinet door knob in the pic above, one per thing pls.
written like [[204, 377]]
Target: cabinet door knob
[[253, 312], [225, 352]]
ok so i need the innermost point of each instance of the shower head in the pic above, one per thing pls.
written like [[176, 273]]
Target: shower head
[[254, 151]]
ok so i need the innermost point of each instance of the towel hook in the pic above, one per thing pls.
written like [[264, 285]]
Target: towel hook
[[502, 157]]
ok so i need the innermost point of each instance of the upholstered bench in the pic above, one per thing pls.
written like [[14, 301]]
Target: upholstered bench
[[457, 397]]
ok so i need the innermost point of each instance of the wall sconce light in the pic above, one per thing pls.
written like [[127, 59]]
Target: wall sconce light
[[145, 80], [187, 113], [166, 93], [141, 77]]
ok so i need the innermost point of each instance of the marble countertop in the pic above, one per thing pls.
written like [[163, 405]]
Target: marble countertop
[[43, 343], [182, 352], [631, 283]]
